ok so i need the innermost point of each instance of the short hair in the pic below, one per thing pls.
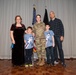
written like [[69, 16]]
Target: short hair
[[52, 13], [29, 27], [47, 24], [38, 15]]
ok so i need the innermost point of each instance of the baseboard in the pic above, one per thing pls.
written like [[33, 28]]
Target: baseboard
[[66, 58]]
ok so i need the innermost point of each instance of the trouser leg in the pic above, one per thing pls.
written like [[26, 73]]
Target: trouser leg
[[26, 56], [48, 55], [30, 56], [40, 45], [61, 54], [55, 50], [52, 55]]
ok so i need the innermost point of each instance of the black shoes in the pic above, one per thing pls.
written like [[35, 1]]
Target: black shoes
[[63, 64]]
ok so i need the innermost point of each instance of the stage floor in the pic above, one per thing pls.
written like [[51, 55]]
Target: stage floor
[[6, 68]]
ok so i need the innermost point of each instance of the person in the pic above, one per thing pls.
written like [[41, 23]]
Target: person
[[38, 29], [49, 35], [58, 29], [29, 44], [17, 31]]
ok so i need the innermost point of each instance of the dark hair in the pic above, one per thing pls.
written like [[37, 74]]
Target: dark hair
[[38, 15], [47, 24], [29, 27], [16, 18]]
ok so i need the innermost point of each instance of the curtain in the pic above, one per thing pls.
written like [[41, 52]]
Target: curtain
[[64, 10]]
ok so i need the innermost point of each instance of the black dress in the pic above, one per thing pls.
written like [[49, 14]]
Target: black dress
[[18, 50]]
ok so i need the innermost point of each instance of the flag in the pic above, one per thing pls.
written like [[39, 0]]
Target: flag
[[46, 20], [33, 22], [34, 16], [34, 48]]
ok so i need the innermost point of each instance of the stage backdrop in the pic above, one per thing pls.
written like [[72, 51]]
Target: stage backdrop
[[64, 9]]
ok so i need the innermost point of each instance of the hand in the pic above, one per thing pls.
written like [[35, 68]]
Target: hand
[[61, 38], [25, 31], [33, 34], [13, 41]]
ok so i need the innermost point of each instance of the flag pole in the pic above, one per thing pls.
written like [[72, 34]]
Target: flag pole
[[34, 5]]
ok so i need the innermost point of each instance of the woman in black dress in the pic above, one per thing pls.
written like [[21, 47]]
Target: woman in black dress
[[17, 31]]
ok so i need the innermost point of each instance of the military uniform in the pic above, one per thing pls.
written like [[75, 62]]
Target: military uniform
[[39, 29]]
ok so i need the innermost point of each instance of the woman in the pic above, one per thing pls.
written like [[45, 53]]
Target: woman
[[17, 37], [38, 29]]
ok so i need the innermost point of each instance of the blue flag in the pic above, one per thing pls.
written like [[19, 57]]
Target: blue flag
[[34, 16], [46, 20]]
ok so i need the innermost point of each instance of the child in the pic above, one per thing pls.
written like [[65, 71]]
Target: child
[[49, 35], [29, 42]]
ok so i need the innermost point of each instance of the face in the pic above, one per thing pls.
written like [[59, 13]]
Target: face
[[47, 27], [38, 18], [29, 30], [18, 20], [52, 15]]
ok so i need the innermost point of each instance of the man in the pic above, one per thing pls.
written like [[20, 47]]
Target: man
[[38, 29], [58, 29]]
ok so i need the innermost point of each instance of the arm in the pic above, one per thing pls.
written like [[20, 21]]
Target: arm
[[33, 29], [44, 26], [24, 38], [62, 31], [25, 31], [12, 37], [53, 41], [24, 41]]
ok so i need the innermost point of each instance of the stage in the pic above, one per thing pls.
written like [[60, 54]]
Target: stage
[[6, 68]]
